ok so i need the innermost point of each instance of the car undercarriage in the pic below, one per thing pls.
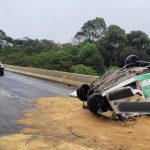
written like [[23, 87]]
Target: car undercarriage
[[105, 95]]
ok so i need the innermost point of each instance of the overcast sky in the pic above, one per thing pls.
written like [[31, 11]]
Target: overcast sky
[[59, 20]]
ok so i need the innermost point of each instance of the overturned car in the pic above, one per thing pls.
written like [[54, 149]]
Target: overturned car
[[128, 84]]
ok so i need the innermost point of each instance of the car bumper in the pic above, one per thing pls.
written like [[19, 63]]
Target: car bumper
[[1, 69]]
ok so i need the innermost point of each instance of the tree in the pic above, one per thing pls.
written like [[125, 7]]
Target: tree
[[92, 30], [131, 51], [2, 35], [29, 50], [48, 44], [5, 40], [138, 39], [87, 51], [111, 45], [97, 62], [90, 56]]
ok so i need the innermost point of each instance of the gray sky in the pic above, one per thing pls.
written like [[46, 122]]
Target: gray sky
[[59, 20]]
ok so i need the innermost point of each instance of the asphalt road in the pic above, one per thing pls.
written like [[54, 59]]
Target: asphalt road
[[15, 93]]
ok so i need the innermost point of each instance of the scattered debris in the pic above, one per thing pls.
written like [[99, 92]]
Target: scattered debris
[[74, 94]]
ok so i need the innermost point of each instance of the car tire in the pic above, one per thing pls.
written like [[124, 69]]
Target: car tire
[[131, 59], [82, 92], [96, 103]]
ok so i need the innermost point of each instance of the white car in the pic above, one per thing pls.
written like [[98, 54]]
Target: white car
[[1, 69], [107, 93]]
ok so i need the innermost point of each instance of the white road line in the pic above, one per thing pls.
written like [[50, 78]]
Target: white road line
[[7, 93], [4, 93]]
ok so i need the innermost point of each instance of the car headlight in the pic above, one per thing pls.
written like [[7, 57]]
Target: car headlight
[[2, 66]]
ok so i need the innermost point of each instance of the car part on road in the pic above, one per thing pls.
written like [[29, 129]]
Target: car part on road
[[73, 94]]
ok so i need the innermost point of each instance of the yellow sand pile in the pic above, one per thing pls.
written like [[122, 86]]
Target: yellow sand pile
[[60, 123]]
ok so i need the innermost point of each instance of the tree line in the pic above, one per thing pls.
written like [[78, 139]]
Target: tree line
[[93, 50]]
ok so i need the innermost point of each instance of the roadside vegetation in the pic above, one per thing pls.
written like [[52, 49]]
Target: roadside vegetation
[[93, 50]]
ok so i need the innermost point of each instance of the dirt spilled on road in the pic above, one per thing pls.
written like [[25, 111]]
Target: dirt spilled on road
[[60, 123]]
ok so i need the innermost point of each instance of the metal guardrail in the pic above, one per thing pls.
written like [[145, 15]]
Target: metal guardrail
[[73, 79]]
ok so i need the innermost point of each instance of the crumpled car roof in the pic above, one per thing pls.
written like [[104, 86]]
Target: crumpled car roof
[[113, 78]]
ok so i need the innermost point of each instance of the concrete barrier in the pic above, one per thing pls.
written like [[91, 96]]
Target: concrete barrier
[[57, 76]]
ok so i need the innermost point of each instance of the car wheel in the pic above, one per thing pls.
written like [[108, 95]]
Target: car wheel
[[131, 59], [82, 92], [97, 103]]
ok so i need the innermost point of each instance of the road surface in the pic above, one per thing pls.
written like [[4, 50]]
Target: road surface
[[15, 93]]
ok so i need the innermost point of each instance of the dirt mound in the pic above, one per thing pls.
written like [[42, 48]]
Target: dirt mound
[[60, 123]]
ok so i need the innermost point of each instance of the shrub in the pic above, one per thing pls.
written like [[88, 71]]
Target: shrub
[[82, 69]]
